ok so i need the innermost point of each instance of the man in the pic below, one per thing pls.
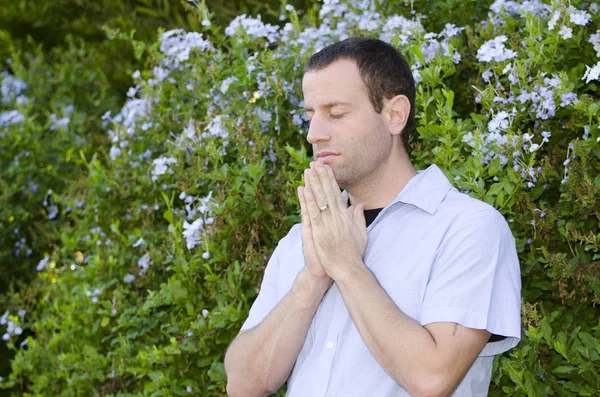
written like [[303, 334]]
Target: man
[[411, 290]]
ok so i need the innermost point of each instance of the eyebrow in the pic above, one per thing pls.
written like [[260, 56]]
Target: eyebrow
[[329, 105]]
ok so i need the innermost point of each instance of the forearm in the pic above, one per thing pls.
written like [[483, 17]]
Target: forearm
[[261, 359], [409, 354]]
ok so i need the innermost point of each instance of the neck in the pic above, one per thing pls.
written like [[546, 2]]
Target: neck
[[381, 189]]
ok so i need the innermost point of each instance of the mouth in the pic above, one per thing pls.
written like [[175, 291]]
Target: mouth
[[326, 157]]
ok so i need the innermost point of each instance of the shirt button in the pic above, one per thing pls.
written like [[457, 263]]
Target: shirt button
[[329, 345]]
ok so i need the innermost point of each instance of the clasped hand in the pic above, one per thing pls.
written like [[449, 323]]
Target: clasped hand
[[334, 237]]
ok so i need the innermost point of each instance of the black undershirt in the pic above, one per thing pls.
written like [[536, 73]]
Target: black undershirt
[[370, 216]]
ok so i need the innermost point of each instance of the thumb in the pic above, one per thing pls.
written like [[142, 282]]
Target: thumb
[[359, 217]]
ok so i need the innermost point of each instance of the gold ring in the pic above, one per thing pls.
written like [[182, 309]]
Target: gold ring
[[324, 208]]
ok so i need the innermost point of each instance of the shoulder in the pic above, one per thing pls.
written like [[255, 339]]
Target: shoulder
[[470, 215], [291, 240]]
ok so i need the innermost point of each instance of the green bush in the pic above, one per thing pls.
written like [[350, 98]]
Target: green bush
[[60, 72], [166, 233]]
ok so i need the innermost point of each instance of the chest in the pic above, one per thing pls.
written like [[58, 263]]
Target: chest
[[402, 244]]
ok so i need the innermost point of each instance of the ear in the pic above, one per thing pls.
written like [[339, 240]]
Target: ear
[[398, 110]]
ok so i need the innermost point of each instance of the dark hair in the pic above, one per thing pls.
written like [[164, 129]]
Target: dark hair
[[383, 70]]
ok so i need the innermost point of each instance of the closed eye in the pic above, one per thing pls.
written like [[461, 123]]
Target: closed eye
[[336, 116]]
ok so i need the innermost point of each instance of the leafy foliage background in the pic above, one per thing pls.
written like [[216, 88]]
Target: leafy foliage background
[[151, 173]]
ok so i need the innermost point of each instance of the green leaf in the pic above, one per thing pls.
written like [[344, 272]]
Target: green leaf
[[565, 369]]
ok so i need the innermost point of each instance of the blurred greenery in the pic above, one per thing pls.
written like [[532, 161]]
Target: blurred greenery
[[89, 194]]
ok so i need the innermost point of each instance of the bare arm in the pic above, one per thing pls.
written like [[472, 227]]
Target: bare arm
[[260, 360], [426, 361]]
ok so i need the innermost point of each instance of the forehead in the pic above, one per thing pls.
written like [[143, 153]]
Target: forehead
[[338, 82]]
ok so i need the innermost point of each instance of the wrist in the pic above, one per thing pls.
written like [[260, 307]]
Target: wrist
[[308, 289], [353, 272]]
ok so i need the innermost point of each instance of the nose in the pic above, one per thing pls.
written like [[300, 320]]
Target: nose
[[317, 131]]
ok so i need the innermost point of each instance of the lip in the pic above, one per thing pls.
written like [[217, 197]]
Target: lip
[[326, 156]]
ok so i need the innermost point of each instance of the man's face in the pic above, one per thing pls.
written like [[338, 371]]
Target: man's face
[[345, 131]]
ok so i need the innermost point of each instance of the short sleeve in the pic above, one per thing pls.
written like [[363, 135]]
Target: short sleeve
[[475, 279], [267, 297]]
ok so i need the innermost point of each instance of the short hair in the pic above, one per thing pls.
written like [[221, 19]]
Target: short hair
[[383, 69]]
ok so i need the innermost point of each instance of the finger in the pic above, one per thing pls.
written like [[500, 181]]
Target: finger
[[329, 190], [317, 188], [306, 226], [303, 209], [316, 220], [359, 217], [335, 188]]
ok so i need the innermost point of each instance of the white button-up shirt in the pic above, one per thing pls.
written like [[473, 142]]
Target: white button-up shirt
[[440, 255]]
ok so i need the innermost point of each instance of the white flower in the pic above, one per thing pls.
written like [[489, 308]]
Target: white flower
[[595, 41], [42, 264], [226, 83], [52, 211], [486, 75], [192, 232], [450, 30], [139, 242], [129, 278], [216, 128], [568, 98], [578, 17], [11, 87], [206, 255], [565, 32], [499, 122], [533, 147], [204, 313], [10, 117], [416, 75], [252, 27], [527, 137], [586, 132], [553, 20], [495, 50], [592, 73], [4, 318], [546, 136], [114, 153], [161, 166], [205, 22], [189, 389], [177, 45], [263, 115], [519, 8], [144, 262]]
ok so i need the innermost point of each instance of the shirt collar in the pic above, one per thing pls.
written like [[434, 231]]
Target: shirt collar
[[426, 190]]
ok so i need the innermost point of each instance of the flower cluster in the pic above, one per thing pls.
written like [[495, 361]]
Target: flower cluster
[[200, 210], [253, 27], [93, 294], [12, 324], [12, 89]]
